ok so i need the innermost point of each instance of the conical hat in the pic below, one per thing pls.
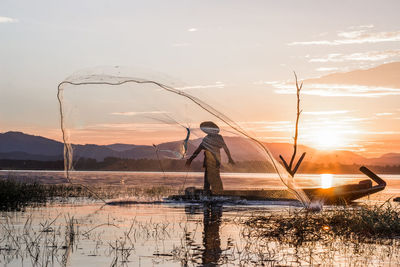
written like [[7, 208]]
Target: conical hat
[[209, 127]]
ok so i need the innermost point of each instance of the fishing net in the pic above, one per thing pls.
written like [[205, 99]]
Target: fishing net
[[119, 119]]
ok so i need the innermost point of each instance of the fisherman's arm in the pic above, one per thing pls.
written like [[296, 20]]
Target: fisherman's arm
[[228, 153], [195, 153]]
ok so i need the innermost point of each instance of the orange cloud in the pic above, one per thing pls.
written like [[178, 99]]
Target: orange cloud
[[360, 36], [365, 56]]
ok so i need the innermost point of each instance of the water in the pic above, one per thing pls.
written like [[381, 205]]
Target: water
[[168, 234], [230, 180]]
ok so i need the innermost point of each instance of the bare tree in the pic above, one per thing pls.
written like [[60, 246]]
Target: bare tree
[[289, 167]]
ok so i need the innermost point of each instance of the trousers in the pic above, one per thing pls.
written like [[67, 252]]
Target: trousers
[[212, 178]]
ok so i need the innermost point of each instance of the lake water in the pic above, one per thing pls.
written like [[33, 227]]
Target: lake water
[[170, 234], [184, 179]]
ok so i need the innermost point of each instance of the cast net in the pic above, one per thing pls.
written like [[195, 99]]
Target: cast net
[[115, 119]]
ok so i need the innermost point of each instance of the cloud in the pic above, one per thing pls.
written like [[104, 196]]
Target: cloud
[[276, 138], [216, 85], [366, 26], [326, 69], [347, 120], [384, 114], [269, 122], [269, 126], [356, 36], [266, 82], [328, 112], [139, 127], [338, 90], [381, 133], [366, 56], [7, 20], [133, 113], [322, 42], [379, 81], [192, 30]]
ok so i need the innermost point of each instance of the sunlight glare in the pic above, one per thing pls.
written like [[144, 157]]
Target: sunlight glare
[[326, 140], [326, 180]]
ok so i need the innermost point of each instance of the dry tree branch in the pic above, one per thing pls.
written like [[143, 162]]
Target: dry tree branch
[[289, 166]]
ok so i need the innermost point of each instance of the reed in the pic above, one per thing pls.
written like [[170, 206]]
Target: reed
[[353, 223], [17, 195]]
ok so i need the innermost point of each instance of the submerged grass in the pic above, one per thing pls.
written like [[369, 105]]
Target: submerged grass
[[202, 238], [359, 223], [17, 195]]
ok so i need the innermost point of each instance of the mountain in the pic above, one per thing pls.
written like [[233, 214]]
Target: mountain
[[20, 146], [385, 75], [30, 144], [26, 156], [122, 147], [387, 159]]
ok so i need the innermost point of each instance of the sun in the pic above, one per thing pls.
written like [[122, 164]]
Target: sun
[[326, 180], [328, 139]]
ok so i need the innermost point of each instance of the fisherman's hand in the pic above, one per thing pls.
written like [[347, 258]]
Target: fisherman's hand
[[188, 162], [231, 161]]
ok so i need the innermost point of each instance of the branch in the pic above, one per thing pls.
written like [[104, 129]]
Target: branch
[[285, 164], [298, 163], [298, 89], [290, 165]]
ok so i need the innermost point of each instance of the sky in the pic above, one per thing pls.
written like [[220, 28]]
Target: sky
[[237, 55]]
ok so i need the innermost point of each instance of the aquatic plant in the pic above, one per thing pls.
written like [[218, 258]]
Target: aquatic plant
[[202, 237], [16, 195], [352, 223]]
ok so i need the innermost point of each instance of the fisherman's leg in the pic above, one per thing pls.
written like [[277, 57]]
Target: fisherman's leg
[[217, 185], [215, 181], [207, 190], [213, 176]]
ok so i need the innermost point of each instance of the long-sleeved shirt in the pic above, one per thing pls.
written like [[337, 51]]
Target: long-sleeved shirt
[[212, 143]]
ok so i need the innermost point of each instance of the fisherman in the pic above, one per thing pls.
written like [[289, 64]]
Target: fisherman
[[211, 145]]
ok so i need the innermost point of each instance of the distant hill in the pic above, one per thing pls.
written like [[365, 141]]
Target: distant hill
[[29, 144], [385, 75], [121, 147], [21, 146]]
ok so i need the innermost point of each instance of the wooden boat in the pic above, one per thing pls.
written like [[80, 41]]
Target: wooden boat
[[348, 193], [342, 194]]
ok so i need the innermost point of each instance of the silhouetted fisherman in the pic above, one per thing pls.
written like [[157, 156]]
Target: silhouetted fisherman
[[211, 145]]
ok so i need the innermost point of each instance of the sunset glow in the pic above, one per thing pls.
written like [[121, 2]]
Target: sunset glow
[[328, 139], [349, 70], [326, 180], [208, 133]]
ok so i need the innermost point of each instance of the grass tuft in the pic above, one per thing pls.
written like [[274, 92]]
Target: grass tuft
[[361, 224], [16, 195]]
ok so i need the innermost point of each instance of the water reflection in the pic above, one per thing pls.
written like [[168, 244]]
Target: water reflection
[[172, 235], [212, 214], [211, 239]]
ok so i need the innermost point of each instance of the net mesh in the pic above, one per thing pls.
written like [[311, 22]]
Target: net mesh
[[109, 115]]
